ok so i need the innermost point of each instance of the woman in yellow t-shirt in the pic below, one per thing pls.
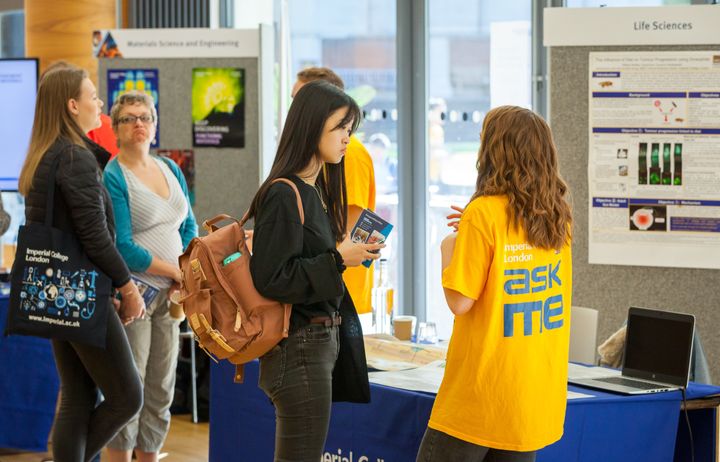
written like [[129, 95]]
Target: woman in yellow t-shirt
[[507, 277]]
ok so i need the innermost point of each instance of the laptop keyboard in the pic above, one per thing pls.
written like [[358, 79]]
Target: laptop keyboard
[[631, 383]]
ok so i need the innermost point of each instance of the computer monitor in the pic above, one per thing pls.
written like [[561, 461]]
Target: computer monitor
[[659, 346], [18, 89]]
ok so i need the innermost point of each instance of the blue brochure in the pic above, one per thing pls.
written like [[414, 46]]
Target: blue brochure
[[147, 291], [370, 229]]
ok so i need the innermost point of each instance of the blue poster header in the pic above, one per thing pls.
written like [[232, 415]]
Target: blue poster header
[[704, 94], [606, 74], [690, 202], [637, 94], [658, 131], [610, 202]]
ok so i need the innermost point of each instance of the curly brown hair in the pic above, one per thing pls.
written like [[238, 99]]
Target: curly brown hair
[[518, 159]]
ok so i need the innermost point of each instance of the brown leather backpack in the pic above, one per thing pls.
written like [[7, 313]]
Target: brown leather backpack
[[230, 319]]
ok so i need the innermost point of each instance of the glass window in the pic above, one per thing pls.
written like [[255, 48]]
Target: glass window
[[12, 34], [479, 57], [356, 39]]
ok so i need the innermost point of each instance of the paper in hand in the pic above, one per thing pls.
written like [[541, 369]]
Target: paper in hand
[[147, 292], [370, 229]]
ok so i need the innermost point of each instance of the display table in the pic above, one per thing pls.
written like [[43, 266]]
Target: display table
[[28, 389], [604, 427]]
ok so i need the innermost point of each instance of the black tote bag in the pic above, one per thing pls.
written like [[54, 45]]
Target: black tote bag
[[350, 376], [56, 292]]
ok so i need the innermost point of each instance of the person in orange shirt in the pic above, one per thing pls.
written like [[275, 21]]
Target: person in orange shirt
[[507, 277], [104, 135], [360, 183]]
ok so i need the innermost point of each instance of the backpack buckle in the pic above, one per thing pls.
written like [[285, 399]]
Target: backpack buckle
[[197, 270]]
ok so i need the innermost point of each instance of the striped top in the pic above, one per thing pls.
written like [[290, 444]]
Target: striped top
[[156, 221]]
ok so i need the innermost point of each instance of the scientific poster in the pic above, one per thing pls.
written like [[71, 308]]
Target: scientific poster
[[185, 159], [218, 107], [654, 159], [121, 81]]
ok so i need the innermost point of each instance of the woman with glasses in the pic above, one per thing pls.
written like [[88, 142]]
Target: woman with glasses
[[154, 224]]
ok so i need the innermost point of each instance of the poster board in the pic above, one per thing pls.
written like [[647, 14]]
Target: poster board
[[613, 288], [653, 166], [225, 178]]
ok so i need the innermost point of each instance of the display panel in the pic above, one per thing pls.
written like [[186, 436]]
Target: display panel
[[18, 88]]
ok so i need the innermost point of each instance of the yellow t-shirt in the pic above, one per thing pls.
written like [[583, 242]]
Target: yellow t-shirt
[[360, 181], [505, 383]]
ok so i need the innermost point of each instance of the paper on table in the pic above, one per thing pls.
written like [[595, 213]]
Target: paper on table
[[386, 353], [578, 371], [426, 378], [576, 395]]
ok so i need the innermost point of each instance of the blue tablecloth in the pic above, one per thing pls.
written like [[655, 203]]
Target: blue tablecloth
[[28, 389], [605, 427]]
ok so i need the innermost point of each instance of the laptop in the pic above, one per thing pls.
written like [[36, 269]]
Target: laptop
[[658, 348]]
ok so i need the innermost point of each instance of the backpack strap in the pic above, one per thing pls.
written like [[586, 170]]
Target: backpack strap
[[239, 373], [297, 196], [210, 227]]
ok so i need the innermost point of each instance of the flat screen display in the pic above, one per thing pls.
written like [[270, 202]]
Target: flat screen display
[[659, 345], [18, 88]]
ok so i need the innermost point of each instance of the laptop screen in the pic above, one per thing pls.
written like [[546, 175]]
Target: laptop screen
[[658, 346]]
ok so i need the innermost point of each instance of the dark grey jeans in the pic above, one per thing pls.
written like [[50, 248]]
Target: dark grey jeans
[[82, 427], [440, 447], [297, 377]]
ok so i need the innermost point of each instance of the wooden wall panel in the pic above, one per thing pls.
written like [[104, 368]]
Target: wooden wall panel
[[62, 30]]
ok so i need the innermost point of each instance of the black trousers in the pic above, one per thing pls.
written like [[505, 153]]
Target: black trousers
[[82, 427], [297, 377], [440, 447]]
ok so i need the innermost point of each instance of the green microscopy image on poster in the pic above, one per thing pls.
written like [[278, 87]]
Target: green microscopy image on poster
[[218, 107]]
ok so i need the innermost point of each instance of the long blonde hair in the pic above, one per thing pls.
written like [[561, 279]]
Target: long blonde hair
[[52, 118], [518, 158]]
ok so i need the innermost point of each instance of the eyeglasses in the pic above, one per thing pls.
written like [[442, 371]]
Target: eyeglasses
[[131, 119]]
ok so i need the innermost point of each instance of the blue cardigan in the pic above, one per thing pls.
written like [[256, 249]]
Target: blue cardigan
[[137, 257]]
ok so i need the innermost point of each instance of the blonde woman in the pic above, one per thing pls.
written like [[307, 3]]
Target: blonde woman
[[507, 277], [67, 107]]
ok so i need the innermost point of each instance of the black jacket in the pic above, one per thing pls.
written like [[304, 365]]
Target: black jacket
[[293, 262], [82, 205]]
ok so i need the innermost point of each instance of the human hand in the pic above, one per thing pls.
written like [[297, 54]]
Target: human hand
[[132, 305], [454, 218], [354, 253], [177, 276]]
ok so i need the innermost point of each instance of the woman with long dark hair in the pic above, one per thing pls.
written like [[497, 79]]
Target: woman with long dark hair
[[67, 107], [302, 264], [507, 277]]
